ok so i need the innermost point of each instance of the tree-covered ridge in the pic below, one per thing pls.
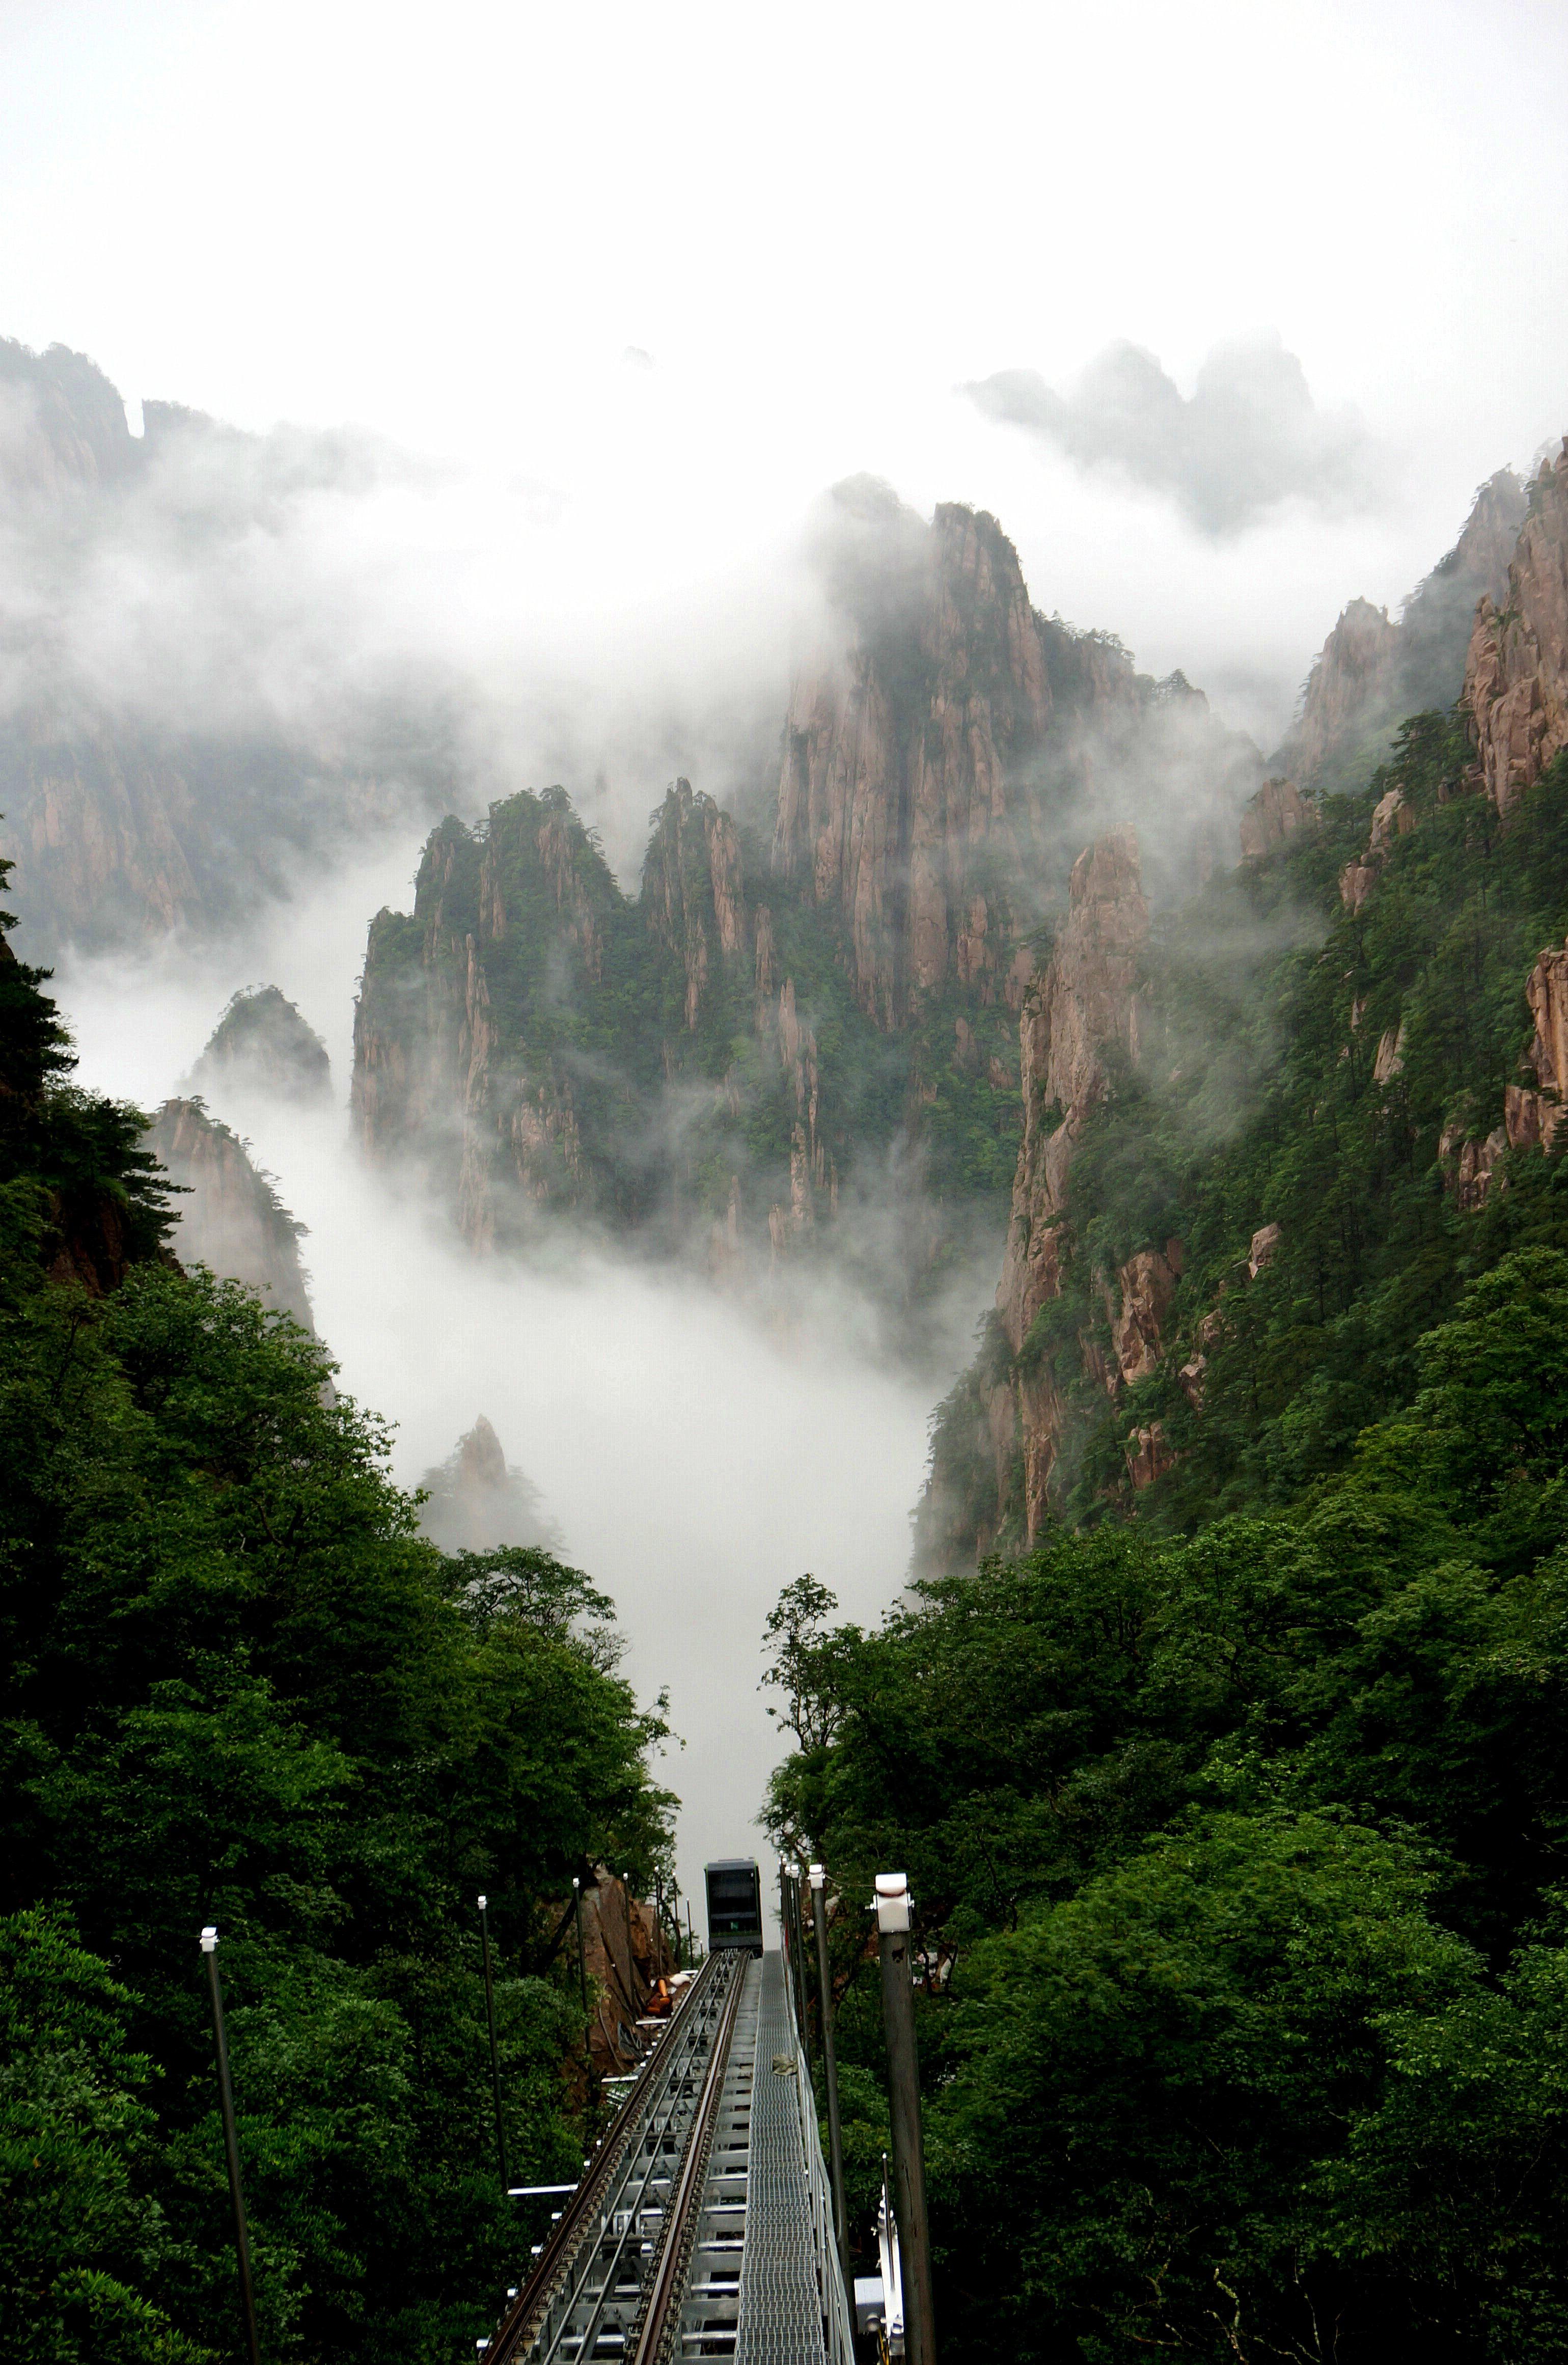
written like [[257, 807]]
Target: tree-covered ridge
[[1321, 1034], [239, 1687], [1237, 1869]]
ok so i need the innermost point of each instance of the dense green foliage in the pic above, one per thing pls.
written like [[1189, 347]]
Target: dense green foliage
[[240, 1688], [1238, 1864], [1234, 1811]]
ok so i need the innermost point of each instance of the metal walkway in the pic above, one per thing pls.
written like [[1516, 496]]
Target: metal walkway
[[702, 2227], [782, 2306]]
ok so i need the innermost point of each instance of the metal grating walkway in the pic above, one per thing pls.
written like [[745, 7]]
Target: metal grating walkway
[[780, 2318]]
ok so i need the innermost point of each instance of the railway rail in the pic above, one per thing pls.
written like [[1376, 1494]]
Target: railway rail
[[700, 2226]]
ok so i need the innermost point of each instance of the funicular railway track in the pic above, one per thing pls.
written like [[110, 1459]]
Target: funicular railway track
[[643, 2262]]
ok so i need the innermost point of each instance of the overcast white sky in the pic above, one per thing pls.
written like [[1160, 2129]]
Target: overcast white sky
[[450, 224]]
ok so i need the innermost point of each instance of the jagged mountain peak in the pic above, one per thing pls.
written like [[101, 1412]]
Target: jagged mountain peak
[[1371, 672], [263, 1043], [478, 1501]]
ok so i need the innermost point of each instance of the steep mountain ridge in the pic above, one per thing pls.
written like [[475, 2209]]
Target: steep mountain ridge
[[1371, 672], [800, 1029], [1291, 1119]]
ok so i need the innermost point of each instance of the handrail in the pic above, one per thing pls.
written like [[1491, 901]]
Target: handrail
[[836, 2327]]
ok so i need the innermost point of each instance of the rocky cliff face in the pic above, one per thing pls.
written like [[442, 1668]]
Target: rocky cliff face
[[1371, 672], [628, 1958], [62, 422], [692, 890], [815, 1018], [1516, 679], [1083, 1012], [1533, 1113], [901, 799], [470, 1050], [107, 831], [232, 1219], [1436, 625], [929, 768], [1084, 1008], [1271, 819]]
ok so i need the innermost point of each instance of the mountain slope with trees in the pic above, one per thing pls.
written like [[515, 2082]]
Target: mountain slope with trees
[[1223, 1738], [241, 1687], [1271, 1135]]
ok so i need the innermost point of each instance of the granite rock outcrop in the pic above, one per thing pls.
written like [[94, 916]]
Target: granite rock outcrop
[[1515, 676], [1081, 1013], [628, 1960], [927, 770], [466, 1061], [693, 892], [1353, 685], [1371, 672], [230, 1217], [133, 815], [1272, 819]]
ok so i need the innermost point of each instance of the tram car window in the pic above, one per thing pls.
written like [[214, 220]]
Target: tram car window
[[734, 1904]]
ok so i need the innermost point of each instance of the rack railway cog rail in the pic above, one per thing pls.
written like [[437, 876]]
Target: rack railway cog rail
[[700, 2227]]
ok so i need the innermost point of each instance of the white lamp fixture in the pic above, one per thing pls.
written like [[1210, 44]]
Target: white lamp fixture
[[892, 1901]]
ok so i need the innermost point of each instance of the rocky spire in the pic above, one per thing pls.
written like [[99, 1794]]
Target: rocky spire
[[479, 1501], [692, 891], [1516, 675], [1082, 1010], [1351, 690], [905, 799], [1371, 672]]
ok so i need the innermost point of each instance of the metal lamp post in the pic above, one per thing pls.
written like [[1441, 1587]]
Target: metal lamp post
[[818, 1879], [903, 2094], [232, 2146], [789, 1912], [495, 2046]]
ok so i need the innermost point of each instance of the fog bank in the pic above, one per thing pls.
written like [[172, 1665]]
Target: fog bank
[[694, 1461]]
